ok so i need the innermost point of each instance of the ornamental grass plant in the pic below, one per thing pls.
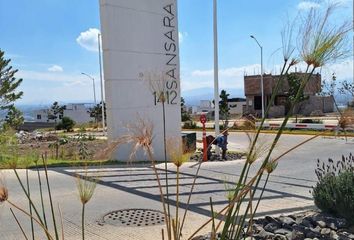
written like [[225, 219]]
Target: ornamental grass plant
[[320, 42], [42, 215]]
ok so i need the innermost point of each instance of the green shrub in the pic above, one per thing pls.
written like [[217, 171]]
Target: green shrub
[[190, 125], [334, 192], [309, 120], [66, 123], [86, 137]]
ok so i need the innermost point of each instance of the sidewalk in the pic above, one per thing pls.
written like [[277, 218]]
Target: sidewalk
[[126, 188]]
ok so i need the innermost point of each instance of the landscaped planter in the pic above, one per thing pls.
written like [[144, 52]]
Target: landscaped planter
[[308, 225]]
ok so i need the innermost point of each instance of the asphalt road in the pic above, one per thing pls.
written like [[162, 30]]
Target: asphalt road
[[131, 186]]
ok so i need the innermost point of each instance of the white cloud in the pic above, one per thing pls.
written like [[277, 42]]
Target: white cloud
[[65, 78], [228, 77], [55, 68], [202, 73], [305, 5], [228, 72], [340, 2], [57, 86], [89, 39], [182, 36]]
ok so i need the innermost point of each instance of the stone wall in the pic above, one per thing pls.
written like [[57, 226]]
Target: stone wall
[[315, 103], [276, 111]]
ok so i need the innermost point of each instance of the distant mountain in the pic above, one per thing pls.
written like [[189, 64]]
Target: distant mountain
[[193, 97]]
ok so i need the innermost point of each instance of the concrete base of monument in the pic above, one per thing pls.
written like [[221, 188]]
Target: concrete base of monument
[[126, 153]]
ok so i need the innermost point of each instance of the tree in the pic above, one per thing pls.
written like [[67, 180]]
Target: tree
[[184, 113], [8, 84], [56, 111], [96, 112], [347, 88], [66, 123], [294, 82], [329, 89], [14, 118], [224, 107], [57, 144]]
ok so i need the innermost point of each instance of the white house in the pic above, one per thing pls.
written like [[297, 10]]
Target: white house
[[237, 105], [42, 115], [76, 111], [205, 106]]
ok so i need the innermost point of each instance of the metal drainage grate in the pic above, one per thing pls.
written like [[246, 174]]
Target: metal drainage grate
[[133, 218]]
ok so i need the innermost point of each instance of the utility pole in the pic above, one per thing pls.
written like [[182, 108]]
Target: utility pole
[[102, 91], [216, 74], [262, 86], [93, 86]]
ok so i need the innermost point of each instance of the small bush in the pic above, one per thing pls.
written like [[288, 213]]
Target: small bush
[[247, 123], [190, 125], [334, 193], [311, 121], [66, 123], [86, 137]]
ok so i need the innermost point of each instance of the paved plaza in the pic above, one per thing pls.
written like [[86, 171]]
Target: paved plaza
[[133, 187]]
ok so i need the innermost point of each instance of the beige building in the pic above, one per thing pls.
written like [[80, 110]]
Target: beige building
[[279, 107], [237, 105]]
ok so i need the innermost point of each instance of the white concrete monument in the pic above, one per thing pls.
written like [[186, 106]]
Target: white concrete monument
[[140, 43]]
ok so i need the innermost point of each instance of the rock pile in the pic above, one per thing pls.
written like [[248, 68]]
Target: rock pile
[[29, 137], [308, 225]]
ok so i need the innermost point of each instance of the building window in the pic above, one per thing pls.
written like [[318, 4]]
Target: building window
[[60, 116], [257, 103], [39, 117]]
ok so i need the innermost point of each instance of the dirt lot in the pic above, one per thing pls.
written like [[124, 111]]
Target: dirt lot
[[61, 146]]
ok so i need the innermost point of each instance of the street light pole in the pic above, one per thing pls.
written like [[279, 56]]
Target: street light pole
[[93, 84], [101, 78], [216, 74], [262, 85]]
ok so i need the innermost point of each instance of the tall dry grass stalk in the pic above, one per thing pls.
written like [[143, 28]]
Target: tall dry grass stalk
[[320, 43], [320, 40], [157, 81], [4, 192], [178, 157], [18, 224], [255, 151], [27, 162], [44, 160], [86, 187], [346, 121], [33, 213], [36, 160], [4, 198], [247, 188], [140, 136]]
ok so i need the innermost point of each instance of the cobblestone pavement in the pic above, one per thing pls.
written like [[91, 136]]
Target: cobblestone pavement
[[134, 186]]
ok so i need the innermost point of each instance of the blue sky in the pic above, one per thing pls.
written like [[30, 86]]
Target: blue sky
[[52, 42]]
